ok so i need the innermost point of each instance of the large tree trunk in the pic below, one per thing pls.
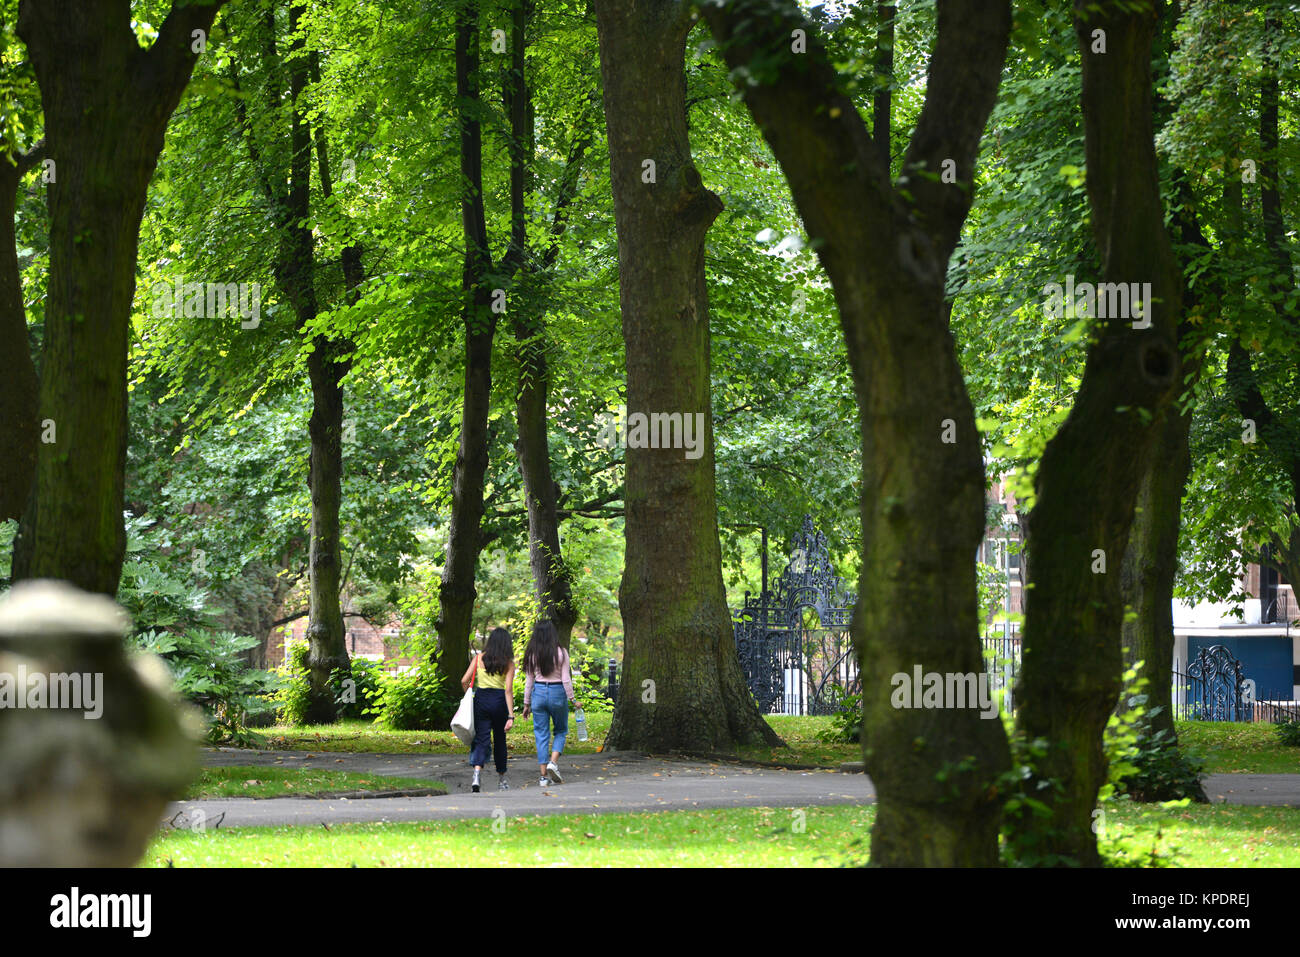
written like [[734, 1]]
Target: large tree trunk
[[551, 577], [1151, 565], [327, 364], [886, 253], [1151, 561], [18, 390], [106, 103], [326, 638], [683, 688], [456, 592], [1090, 475], [295, 274]]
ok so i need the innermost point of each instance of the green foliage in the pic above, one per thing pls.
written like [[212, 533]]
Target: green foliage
[[846, 723], [155, 588], [356, 701], [1288, 732], [1146, 767], [414, 700], [172, 619], [209, 670], [1161, 770], [1140, 768], [292, 698], [590, 678]]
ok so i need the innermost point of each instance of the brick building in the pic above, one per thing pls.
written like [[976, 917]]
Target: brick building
[[364, 640]]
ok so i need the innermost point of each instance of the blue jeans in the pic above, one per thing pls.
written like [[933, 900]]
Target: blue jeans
[[549, 704]]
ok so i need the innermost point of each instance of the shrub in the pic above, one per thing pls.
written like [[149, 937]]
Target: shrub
[[846, 724], [414, 701], [358, 702], [1162, 770], [355, 702], [1288, 732], [1141, 766], [209, 670], [157, 590], [590, 682], [291, 699]]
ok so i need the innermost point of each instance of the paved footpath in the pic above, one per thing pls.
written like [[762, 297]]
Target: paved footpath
[[593, 783], [1268, 790]]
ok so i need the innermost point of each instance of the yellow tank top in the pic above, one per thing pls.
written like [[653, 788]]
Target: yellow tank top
[[486, 680]]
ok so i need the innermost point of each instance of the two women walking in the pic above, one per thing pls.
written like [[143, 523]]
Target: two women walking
[[548, 690]]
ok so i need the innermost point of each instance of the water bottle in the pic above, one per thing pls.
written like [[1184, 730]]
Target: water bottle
[[582, 725]]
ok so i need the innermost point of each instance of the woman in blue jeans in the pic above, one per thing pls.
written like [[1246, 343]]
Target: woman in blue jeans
[[493, 675], [548, 689]]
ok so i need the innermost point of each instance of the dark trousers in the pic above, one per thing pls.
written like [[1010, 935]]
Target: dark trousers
[[490, 714]]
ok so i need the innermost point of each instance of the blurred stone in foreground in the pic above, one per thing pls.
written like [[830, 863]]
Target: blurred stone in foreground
[[93, 740]]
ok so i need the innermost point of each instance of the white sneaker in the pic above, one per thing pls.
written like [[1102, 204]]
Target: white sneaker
[[553, 773], [543, 783], [503, 784]]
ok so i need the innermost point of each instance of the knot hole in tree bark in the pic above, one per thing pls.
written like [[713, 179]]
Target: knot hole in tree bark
[[1158, 363]]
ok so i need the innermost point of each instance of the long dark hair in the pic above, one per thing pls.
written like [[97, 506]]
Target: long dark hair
[[543, 652], [498, 653]]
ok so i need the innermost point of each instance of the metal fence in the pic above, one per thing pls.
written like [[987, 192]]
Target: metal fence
[[1198, 698], [1212, 688], [1002, 664]]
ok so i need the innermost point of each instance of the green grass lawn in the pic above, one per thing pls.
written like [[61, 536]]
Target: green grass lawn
[[263, 782], [1225, 747], [360, 736], [1198, 836], [1209, 835], [803, 744], [1228, 746], [745, 837]]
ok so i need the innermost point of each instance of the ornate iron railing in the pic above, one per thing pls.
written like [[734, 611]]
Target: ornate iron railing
[[793, 640]]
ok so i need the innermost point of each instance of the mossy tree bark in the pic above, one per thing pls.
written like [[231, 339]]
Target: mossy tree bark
[[552, 578], [683, 688], [886, 251], [326, 360], [1151, 561], [19, 397], [1151, 565], [456, 592], [1090, 475], [106, 102]]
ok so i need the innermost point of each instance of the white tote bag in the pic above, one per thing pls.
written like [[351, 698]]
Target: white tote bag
[[463, 724]]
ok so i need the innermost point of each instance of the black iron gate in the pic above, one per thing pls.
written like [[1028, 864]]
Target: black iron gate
[[1215, 689], [793, 640]]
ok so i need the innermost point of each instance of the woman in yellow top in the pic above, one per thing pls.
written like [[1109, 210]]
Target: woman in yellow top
[[494, 702]]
